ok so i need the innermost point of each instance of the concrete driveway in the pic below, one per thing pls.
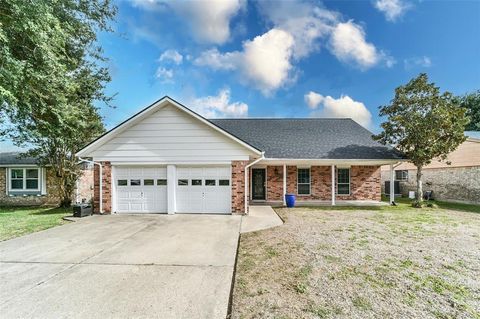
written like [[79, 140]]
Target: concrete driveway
[[146, 266]]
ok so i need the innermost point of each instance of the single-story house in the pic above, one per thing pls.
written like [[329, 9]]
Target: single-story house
[[25, 183], [455, 179], [169, 159]]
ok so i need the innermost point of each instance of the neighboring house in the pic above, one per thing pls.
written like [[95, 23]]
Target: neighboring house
[[459, 181], [24, 183], [168, 159]]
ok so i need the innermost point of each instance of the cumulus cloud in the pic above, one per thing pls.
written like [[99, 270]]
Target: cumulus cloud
[[349, 45], [423, 61], [219, 106], [164, 75], [313, 99], [343, 107], [171, 55], [392, 9], [304, 21], [209, 21], [264, 61]]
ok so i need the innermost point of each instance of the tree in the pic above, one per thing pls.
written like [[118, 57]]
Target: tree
[[51, 77], [471, 102], [423, 123]]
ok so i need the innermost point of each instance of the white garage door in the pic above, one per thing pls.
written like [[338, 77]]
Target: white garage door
[[203, 190], [141, 189]]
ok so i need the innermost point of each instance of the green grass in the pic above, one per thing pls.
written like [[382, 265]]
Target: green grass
[[19, 221], [405, 202]]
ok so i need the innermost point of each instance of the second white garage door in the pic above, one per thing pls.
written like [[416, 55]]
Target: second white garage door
[[203, 190]]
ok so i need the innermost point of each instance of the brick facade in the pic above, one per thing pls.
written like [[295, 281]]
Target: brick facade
[[52, 198], [364, 183], [238, 187], [106, 187]]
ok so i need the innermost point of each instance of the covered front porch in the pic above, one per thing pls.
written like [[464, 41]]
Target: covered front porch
[[317, 182]]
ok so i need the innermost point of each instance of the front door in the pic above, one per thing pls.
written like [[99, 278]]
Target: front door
[[258, 184]]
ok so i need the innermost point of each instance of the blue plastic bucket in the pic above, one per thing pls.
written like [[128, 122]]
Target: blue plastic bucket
[[290, 200]]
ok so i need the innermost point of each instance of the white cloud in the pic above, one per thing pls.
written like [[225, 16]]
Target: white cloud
[[264, 61], [313, 99], [349, 45], [343, 107], [305, 22], [392, 9], [171, 55], [209, 20], [423, 61], [165, 75], [219, 106], [217, 60]]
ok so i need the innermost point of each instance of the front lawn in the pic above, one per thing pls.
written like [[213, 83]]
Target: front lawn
[[388, 262], [18, 221]]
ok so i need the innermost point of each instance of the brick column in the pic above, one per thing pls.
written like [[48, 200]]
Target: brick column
[[238, 187], [106, 187]]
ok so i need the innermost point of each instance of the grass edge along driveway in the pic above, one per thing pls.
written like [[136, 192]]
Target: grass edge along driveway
[[19, 221]]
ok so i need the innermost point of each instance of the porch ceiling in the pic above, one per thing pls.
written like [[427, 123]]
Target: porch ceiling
[[327, 162]]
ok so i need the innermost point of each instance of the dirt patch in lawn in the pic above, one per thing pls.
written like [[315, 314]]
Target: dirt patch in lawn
[[361, 264]]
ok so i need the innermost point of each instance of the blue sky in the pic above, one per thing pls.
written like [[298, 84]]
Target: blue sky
[[237, 58]]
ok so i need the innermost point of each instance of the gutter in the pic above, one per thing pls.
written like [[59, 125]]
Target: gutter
[[246, 178], [100, 177]]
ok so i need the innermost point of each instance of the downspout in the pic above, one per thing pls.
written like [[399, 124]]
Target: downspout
[[246, 177], [100, 177]]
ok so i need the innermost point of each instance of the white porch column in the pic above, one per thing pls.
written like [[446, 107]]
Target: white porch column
[[392, 185], [333, 185], [284, 184], [171, 188]]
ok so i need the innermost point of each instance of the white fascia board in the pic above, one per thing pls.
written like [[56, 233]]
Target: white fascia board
[[303, 161], [85, 152], [143, 164], [20, 165]]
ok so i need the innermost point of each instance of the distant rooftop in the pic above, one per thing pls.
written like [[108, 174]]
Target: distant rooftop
[[9, 158]]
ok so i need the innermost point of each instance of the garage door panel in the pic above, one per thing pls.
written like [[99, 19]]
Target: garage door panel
[[141, 193]]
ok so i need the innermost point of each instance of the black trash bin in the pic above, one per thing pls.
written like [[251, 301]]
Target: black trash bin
[[82, 210]]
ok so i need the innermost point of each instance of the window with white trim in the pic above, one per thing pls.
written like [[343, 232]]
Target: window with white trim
[[25, 179], [343, 181], [401, 175], [303, 181]]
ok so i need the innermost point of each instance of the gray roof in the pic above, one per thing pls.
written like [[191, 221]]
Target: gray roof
[[312, 138], [12, 158]]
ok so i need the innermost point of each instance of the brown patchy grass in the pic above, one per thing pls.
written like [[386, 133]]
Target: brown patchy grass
[[389, 263]]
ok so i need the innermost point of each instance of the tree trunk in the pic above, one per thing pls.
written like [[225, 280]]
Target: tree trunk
[[419, 184]]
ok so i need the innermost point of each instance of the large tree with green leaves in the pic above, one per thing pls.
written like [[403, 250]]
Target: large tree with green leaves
[[52, 74], [471, 102], [423, 123]]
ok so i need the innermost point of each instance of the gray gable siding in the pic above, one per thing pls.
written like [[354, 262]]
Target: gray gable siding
[[318, 138]]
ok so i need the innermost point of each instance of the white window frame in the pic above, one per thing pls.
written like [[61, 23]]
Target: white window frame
[[24, 189], [404, 176], [349, 181], [309, 181]]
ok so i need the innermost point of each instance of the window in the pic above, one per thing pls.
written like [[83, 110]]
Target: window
[[401, 175], [223, 182], [135, 182], [196, 182], [148, 182], [343, 181], [303, 182], [122, 182], [183, 182], [24, 179], [210, 182], [161, 182]]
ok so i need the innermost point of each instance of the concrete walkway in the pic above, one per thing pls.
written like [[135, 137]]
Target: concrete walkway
[[122, 266], [260, 217]]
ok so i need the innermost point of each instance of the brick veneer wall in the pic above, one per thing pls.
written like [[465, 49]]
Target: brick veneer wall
[[106, 187], [238, 187], [52, 198], [364, 183], [275, 183]]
